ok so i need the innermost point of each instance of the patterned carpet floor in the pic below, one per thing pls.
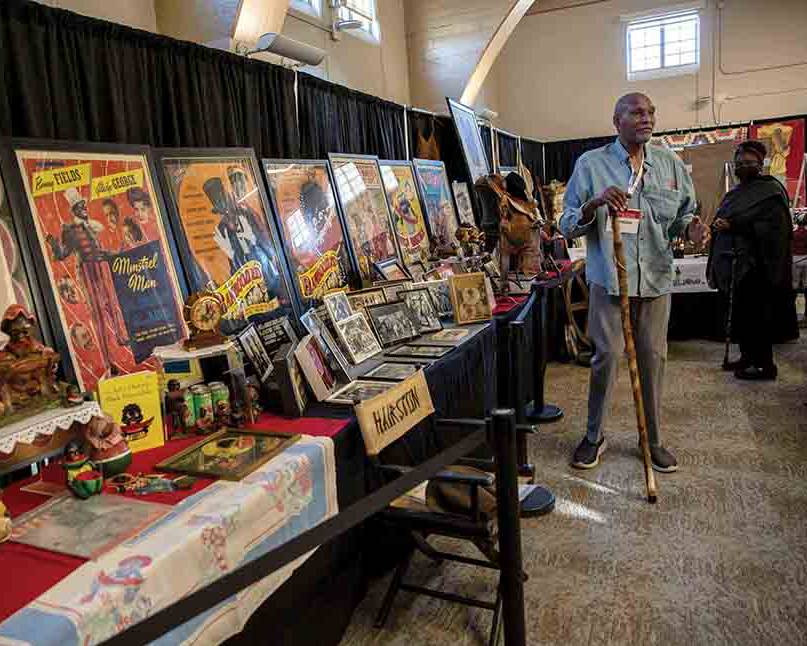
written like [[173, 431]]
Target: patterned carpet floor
[[721, 559]]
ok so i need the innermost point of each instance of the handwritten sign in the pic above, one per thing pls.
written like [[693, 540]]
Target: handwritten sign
[[390, 415]]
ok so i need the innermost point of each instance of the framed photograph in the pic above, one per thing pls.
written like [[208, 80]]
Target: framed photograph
[[361, 298], [407, 210], [358, 391], [315, 367], [393, 371], [96, 235], [452, 336], [465, 208], [364, 205], [225, 232], [437, 201], [417, 270], [470, 297], [393, 288], [441, 295], [228, 454], [358, 338], [304, 203], [290, 381], [420, 351], [392, 270], [393, 323], [251, 344], [338, 306], [333, 353], [420, 303], [470, 138]]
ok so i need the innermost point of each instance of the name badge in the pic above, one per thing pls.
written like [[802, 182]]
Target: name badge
[[628, 221]]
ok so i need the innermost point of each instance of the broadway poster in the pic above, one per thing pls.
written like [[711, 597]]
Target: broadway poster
[[438, 202], [305, 205], [399, 180], [101, 234], [367, 217], [225, 237]]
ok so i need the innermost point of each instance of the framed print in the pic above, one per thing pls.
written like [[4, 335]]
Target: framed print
[[290, 381], [304, 202], [470, 140], [437, 201], [251, 344], [451, 336], [330, 348], [393, 323], [422, 306], [417, 270], [392, 289], [315, 367], [361, 298], [338, 306], [358, 338], [420, 351], [392, 270], [364, 205], [406, 209], [441, 295], [226, 235], [462, 198], [393, 371], [95, 229], [359, 391], [228, 454], [469, 294]]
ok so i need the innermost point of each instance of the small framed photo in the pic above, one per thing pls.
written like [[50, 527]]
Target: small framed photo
[[393, 371], [392, 269], [420, 351], [393, 323], [416, 270], [333, 353], [441, 295], [422, 306], [358, 338], [469, 294], [290, 381], [338, 306], [361, 298], [251, 344], [452, 336], [359, 391], [392, 289], [315, 367]]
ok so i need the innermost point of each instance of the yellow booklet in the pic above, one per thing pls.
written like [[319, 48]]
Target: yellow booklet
[[133, 401]]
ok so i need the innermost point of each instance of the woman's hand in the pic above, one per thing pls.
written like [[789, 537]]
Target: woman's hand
[[721, 224]]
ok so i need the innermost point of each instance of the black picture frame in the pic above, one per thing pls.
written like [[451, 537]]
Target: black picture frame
[[473, 148], [388, 337], [254, 349], [424, 296], [430, 352], [377, 373], [352, 271], [418, 196], [53, 333], [419, 165]]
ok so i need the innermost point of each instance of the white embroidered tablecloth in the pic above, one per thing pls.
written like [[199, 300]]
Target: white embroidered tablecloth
[[45, 423], [205, 536]]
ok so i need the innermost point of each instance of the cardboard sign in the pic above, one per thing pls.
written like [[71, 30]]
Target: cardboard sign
[[389, 416]]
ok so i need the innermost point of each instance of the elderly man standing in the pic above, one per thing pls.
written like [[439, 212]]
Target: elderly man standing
[[651, 182]]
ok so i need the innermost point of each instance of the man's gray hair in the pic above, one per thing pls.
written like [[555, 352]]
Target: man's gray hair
[[623, 101]]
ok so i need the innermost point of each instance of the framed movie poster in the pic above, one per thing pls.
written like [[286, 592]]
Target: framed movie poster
[[364, 206], [407, 211], [470, 139], [437, 201], [305, 205], [95, 226], [225, 234]]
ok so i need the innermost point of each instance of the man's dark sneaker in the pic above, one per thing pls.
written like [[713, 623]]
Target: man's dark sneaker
[[663, 461], [733, 366], [752, 373], [587, 455]]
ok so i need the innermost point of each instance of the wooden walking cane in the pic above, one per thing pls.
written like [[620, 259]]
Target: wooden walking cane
[[630, 347]]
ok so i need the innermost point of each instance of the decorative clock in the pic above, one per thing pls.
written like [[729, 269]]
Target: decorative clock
[[203, 313]]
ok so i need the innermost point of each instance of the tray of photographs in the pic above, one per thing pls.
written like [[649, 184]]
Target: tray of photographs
[[359, 391], [416, 351], [393, 323], [393, 371]]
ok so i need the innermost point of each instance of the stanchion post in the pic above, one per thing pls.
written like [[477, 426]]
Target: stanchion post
[[503, 439], [541, 412]]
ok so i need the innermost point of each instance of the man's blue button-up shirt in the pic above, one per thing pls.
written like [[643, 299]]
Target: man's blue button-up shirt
[[666, 199]]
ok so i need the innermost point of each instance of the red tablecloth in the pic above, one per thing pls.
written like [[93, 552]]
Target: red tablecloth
[[32, 571]]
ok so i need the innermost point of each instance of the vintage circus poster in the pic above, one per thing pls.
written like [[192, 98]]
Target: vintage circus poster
[[407, 213], [437, 201], [99, 229], [785, 143]]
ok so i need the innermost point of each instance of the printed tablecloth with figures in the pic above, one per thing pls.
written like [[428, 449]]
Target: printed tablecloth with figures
[[202, 538]]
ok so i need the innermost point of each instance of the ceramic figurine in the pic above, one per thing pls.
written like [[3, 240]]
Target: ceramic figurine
[[253, 400], [82, 478], [107, 445], [72, 396], [174, 403]]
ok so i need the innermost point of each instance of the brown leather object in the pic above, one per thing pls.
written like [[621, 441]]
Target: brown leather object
[[455, 498]]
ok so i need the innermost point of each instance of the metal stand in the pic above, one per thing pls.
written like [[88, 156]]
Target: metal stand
[[540, 411]]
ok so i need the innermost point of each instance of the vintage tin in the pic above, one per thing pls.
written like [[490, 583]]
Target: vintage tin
[[221, 397], [202, 405], [188, 410]]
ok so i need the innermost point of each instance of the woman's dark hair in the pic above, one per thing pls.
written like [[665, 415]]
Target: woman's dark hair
[[754, 147]]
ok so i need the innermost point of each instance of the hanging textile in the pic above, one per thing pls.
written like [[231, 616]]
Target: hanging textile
[[532, 156], [433, 136]]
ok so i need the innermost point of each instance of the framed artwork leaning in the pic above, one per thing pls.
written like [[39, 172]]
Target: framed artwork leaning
[[473, 149], [393, 323], [360, 299], [364, 206], [252, 345], [96, 234], [437, 201], [392, 270], [227, 237], [338, 306], [314, 365], [290, 381], [471, 298], [422, 306], [304, 202], [358, 338], [441, 296], [407, 210], [330, 348]]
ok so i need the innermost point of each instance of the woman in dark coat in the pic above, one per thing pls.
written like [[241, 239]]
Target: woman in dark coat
[[752, 223]]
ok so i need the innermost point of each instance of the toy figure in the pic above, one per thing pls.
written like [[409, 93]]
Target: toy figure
[[174, 401], [134, 426], [222, 414], [253, 403], [82, 478], [107, 445], [72, 396], [17, 323]]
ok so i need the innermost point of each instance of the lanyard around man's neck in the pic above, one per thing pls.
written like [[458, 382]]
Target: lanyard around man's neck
[[635, 176]]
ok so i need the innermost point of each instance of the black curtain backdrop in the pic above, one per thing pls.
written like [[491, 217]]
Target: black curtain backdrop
[[336, 119], [508, 149], [66, 76], [487, 141], [433, 136], [561, 155], [532, 156]]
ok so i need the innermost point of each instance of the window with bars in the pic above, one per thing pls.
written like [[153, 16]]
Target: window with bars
[[663, 45], [365, 12]]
